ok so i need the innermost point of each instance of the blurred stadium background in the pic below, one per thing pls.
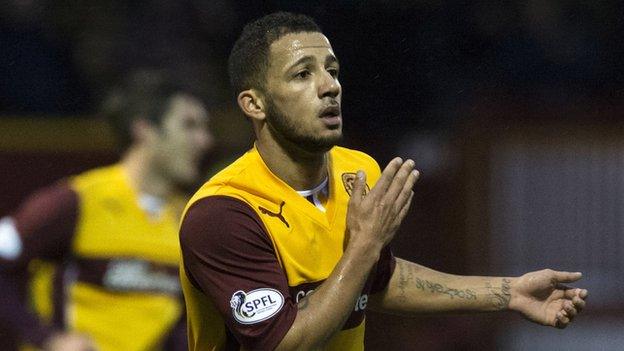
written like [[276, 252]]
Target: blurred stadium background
[[513, 111]]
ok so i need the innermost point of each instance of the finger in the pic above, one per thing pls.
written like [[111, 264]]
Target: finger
[[407, 192], [570, 293], [405, 209], [359, 185], [562, 320], [579, 303], [568, 307], [398, 182], [386, 178], [558, 324], [567, 277]]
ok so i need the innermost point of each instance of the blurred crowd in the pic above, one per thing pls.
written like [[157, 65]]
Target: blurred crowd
[[413, 64]]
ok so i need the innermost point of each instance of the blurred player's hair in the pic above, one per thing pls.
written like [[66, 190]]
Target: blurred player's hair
[[249, 59], [143, 94]]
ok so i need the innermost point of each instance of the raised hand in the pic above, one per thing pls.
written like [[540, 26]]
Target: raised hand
[[543, 298], [374, 218]]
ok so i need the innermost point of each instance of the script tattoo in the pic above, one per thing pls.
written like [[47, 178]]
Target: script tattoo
[[404, 279], [499, 296], [407, 278], [433, 287]]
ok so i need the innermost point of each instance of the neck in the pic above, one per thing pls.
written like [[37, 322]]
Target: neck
[[299, 168], [142, 174]]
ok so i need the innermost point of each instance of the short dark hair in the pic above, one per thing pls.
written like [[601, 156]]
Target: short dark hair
[[249, 59], [144, 93]]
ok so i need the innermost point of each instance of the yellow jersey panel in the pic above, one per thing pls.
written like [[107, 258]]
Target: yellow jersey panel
[[126, 293], [307, 242]]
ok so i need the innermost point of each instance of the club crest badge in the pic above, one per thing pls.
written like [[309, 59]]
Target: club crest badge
[[348, 180]]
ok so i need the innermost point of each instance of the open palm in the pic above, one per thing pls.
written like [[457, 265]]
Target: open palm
[[542, 297]]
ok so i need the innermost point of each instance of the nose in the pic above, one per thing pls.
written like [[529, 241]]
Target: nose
[[329, 86]]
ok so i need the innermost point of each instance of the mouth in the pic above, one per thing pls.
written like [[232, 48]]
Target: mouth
[[331, 115]]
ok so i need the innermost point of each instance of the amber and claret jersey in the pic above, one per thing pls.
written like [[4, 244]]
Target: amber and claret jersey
[[120, 282], [252, 248]]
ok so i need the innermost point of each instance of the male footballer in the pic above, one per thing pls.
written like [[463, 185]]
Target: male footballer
[[287, 247]]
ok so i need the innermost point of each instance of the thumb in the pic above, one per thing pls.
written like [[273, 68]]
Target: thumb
[[567, 277], [359, 185]]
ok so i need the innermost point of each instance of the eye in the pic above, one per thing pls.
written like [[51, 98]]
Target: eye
[[333, 71], [302, 74]]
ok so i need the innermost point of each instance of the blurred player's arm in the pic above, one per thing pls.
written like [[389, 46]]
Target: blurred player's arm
[[540, 296], [41, 228]]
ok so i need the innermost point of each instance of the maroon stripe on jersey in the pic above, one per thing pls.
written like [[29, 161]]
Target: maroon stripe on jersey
[[359, 310], [58, 298], [376, 282], [383, 271], [129, 275]]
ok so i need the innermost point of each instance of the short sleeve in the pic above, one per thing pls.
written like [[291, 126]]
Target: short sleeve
[[227, 251], [43, 227], [45, 223]]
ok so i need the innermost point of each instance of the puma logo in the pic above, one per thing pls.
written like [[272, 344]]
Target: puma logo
[[273, 214]]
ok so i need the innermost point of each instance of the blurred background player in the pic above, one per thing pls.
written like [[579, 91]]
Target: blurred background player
[[112, 230]]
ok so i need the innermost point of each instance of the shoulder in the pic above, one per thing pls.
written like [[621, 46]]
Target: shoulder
[[98, 177], [45, 222], [238, 172], [217, 221], [55, 200], [352, 156]]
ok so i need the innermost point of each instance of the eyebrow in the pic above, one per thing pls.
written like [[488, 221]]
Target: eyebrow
[[309, 59], [331, 59], [305, 59]]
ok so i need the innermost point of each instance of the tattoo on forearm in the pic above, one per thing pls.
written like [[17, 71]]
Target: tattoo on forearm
[[499, 296], [407, 278], [433, 287]]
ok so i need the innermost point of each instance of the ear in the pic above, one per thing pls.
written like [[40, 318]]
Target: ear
[[252, 104], [142, 130]]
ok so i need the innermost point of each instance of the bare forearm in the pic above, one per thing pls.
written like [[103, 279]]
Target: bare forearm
[[323, 312], [417, 289]]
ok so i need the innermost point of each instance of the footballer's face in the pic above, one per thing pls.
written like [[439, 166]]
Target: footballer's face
[[182, 140], [303, 93]]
